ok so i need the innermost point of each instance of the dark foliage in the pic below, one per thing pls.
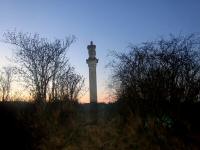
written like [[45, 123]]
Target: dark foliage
[[157, 77]]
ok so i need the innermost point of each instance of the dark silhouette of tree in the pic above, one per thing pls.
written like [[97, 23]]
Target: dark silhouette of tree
[[5, 82], [68, 84], [40, 60], [166, 71]]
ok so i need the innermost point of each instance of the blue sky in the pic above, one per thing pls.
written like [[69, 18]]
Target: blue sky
[[111, 24]]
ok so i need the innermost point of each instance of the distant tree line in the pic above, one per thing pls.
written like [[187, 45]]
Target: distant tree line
[[44, 66], [157, 75]]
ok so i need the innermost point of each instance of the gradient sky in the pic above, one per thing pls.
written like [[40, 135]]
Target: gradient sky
[[111, 24]]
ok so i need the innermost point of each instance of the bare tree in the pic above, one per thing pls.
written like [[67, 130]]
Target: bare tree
[[39, 59], [5, 82], [67, 85], [158, 72]]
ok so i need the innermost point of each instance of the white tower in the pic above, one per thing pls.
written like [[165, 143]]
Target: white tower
[[92, 62]]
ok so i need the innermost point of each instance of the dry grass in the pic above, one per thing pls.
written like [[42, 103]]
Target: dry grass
[[75, 127]]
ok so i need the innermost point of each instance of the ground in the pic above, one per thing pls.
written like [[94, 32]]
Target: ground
[[72, 126]]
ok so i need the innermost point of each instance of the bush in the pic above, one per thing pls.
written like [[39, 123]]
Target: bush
[[157, 76]]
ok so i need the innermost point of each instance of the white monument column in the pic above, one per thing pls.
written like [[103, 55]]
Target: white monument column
[[92, 62]]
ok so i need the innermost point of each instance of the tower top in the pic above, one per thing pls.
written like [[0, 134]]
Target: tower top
[[91, 46]]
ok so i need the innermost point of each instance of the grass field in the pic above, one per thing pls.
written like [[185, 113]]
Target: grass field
[[72, 126]]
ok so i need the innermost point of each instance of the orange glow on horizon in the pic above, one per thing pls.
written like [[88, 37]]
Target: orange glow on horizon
[[103, 98]]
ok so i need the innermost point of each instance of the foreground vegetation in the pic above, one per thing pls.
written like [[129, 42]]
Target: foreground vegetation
[[72, 126]]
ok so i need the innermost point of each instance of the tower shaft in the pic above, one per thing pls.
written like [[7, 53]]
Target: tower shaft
[[93, 81]]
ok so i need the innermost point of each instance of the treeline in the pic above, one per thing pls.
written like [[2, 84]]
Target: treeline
[[44, 66]]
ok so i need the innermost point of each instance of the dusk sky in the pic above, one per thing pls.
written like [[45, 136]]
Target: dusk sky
[[110, 24]]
